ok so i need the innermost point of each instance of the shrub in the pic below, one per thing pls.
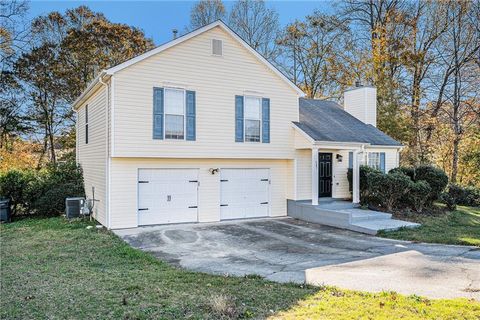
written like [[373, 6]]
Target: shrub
[[42, 192], [365, 171], [435, 177], [408, 171], [388, 189], [417, 195], [458, 195], [14, 185]]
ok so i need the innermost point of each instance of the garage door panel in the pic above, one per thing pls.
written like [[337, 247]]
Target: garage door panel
[[169, 196], [244, 193]]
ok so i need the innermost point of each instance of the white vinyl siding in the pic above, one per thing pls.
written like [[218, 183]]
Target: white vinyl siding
[[340, 186], [92, 156], [124, 185], [216, 82]]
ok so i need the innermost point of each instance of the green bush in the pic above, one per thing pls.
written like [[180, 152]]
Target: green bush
[[388, 189], [14, 185], [42, 192], [408, 171], [365, 194], [416, 195], [435, 177], [459, 195]]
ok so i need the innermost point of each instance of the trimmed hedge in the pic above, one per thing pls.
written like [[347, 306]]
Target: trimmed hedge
[[463, 196], [42, 192], [401, 188]]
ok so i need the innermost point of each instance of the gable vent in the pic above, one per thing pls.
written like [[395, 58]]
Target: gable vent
[[217, 47]]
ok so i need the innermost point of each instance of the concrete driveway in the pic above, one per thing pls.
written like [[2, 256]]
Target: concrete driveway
[[285, 249]]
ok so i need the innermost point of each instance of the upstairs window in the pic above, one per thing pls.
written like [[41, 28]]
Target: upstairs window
[[252, 115], [174, 114], [86, 124]]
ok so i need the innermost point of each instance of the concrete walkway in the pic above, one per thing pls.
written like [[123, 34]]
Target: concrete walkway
[[286, 249]]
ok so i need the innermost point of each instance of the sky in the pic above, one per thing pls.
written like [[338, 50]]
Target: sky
[[158, 18]]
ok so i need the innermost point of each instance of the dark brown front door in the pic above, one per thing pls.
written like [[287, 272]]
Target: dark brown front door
[[324, 175]]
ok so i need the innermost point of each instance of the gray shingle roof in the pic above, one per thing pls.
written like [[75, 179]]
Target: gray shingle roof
[[327, 121]]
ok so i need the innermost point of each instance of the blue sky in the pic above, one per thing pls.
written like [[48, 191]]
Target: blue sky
[[158, 18]]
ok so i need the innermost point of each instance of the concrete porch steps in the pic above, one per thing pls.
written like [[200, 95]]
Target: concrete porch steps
[[342, 214]]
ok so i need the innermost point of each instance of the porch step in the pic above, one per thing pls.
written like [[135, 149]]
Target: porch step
[[373, 226], [357, 215], [343, 215]]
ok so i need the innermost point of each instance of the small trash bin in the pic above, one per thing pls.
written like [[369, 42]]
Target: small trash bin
[[5, 210]]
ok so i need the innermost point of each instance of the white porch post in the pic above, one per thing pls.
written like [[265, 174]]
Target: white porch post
[[314, 176], [356, 178]]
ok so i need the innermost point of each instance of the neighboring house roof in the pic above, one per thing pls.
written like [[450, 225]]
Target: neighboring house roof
[[181, 39], [327, 121]]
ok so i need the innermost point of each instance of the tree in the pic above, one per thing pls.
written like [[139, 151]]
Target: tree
[[458, 102], [382, 26], [257, 25], [13, 38], [40, 70], [205, 12], [314, 46]]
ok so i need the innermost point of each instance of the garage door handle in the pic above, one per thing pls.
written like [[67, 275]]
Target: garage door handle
[[141, 181], [142, 209], [192, 180], [224, 205], [223, 180], [263, 202], [192, 207], [264, 180]]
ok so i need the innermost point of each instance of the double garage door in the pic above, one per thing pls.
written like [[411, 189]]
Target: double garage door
[[171, 195]]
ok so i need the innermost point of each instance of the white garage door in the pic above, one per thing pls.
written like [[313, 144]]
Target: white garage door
[[167, 196], [244, 193]]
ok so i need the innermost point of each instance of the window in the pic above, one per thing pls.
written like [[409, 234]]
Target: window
[[252, 115], [86, 124], [374, 160], [174, 114], [217, 47]]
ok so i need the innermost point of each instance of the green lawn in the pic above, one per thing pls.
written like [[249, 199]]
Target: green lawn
[[54, 269], [457, 227]]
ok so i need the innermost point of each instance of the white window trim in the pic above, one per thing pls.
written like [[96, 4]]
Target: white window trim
[[377, 158], [244, 118], [184, 113], [211, 48]]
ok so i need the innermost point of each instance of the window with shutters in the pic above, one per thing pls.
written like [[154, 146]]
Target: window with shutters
[[253, 119], [217, 47], [86, 124], [174, 114], [376, 160]]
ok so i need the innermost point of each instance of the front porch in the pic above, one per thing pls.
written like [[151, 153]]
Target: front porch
[[345, 215]]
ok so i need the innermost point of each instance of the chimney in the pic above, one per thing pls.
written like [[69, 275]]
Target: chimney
[[361, 102], [174, 31]]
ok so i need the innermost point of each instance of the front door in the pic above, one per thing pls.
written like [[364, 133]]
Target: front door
[[324, 175]]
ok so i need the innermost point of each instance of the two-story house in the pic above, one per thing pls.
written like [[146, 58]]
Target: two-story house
[[204, 129]]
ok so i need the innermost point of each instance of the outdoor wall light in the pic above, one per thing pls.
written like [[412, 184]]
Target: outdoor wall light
[[213, 170], [339, 157]]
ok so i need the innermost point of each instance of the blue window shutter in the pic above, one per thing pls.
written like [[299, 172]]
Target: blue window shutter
[[238, 118], [190, 115], [266, 120], [350, 160], [157, 113], [382, 162]]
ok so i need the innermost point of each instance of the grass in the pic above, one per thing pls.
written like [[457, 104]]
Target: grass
[[455, 227], [51, 268]]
